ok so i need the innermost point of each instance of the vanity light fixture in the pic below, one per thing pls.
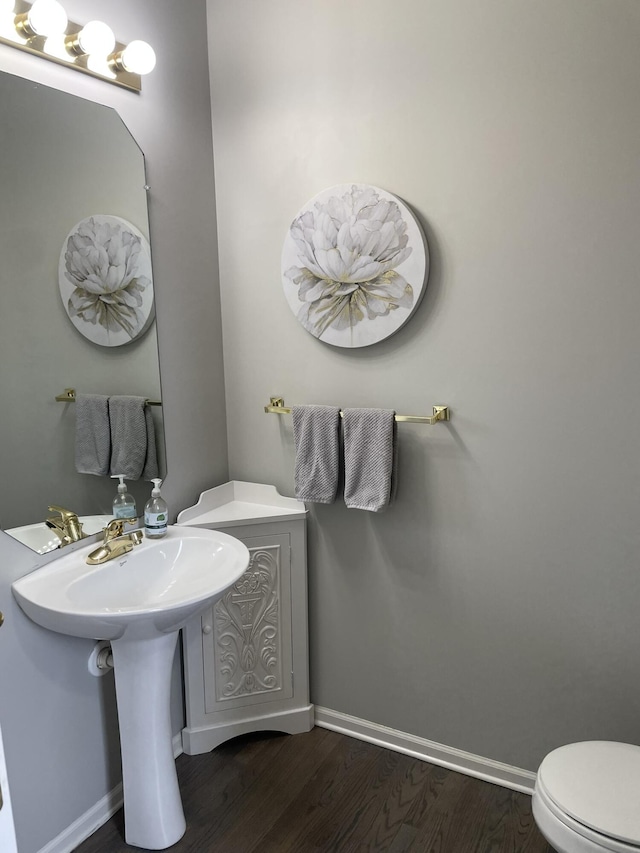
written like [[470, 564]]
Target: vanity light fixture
[[42, 28]]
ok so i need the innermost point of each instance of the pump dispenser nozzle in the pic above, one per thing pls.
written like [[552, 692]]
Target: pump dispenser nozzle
[[121, 488]]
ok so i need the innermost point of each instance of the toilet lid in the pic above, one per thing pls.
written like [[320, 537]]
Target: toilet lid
[[597, 783]]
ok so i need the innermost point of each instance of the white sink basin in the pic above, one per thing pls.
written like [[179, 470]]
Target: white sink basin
[[139, 602], [43, 539], [151, 590]]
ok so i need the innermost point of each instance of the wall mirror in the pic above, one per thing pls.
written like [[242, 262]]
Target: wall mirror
[[63, 159]]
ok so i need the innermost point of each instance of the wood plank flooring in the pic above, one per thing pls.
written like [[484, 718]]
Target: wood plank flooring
[[323, 792]]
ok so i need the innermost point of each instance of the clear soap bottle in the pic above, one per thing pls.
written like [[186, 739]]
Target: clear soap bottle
[[124, 505], [156, 513]]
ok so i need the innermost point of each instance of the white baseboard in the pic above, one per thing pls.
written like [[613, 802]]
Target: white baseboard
[[418, 747], [95, 817], [427, 750]]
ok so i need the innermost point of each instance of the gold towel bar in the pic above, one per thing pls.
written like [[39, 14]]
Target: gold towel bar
[[69, 396], [440, 413]]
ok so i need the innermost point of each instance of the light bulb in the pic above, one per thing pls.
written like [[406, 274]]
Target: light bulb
[[138, 57], [6, 6], [96, 38], [47, 18]]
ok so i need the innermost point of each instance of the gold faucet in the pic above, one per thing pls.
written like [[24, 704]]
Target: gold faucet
[[67, 525], [116, 542]]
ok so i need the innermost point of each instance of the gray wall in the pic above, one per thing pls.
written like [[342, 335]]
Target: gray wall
[[493, 608], [58, 722]]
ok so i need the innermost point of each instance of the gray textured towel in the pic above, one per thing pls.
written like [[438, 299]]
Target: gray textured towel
[[133, 440], [315, 432], [369, 458], [93, 434]]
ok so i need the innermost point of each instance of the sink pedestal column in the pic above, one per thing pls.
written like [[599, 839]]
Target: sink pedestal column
[[153, 813]]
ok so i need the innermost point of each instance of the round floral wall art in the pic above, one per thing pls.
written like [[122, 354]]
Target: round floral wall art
[[105, 280], [354, 265]]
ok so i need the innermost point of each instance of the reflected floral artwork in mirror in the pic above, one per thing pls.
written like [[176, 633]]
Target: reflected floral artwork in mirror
[[105, 280], [355, 264]]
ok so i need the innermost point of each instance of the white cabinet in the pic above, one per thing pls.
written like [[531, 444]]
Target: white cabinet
[[246, 658]]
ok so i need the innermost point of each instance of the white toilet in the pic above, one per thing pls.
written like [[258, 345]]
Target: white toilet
[[587, 798]]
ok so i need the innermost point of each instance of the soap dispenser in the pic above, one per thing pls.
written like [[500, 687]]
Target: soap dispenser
[[124, 505], [156, 513]]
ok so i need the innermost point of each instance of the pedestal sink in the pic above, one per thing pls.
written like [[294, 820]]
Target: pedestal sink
[[139, 602]]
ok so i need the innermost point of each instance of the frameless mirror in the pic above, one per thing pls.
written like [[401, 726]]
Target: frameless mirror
[[63, 160]]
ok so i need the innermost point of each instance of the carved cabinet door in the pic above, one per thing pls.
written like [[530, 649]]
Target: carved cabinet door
[[246, 636]]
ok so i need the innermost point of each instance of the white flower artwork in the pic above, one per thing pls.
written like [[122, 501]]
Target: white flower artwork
[[105, 280], [355, 264]]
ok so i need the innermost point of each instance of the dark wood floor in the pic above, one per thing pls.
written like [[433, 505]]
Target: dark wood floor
[[322, 792]]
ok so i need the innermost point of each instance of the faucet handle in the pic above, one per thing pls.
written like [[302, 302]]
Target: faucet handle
[[65, 514], [116, 527]]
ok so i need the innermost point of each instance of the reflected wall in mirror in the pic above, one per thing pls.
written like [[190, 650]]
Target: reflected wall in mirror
[[63, 159]]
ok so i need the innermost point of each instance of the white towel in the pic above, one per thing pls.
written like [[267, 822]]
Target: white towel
[[369, 458], [317, 466], [93, 434], [133, 442]]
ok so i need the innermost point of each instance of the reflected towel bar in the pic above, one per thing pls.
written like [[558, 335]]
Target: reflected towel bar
[[69, 396], [440, 413]]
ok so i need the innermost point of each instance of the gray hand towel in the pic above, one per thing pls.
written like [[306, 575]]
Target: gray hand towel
[[369, 458], [317, 466], [150, 470], [133, 452], [93, 434]]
